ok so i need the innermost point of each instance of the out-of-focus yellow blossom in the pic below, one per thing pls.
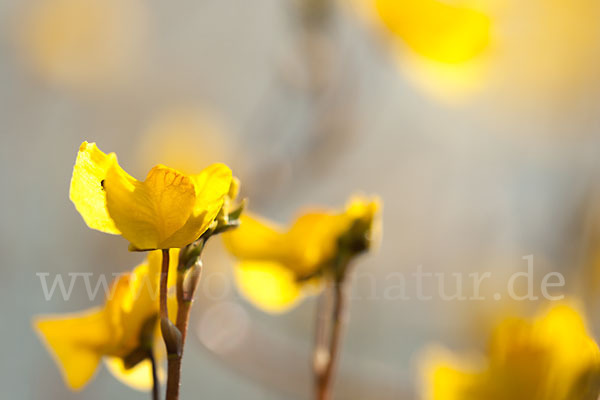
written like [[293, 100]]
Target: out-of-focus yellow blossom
[[122, 331], [550, 358], [436, 29], [83, 43], [442, 46], [277, 267], [167, 210], [185, 138], [538, 50]]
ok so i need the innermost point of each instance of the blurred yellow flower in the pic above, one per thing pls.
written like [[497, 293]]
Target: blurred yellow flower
[[534, 51], [123, 331], [185, 138], [442, 46], [436, 29], [550, 358], [169, 209], [277, 267], [83, 43]]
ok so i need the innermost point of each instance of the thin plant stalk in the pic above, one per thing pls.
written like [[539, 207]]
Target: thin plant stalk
[[329, 323], [155, 382], [164, 276], [174, 361]]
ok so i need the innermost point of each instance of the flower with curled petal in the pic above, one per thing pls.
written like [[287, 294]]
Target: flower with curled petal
[[168, 209], [277, 267]]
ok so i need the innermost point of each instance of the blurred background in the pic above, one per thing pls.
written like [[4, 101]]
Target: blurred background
[[476, 122]]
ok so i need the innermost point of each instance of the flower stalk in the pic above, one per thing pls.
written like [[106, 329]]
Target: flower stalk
[[172, 336], [185, 297], [332, 308], [155, 382], [329, 326], [318, 247], [164, 274]]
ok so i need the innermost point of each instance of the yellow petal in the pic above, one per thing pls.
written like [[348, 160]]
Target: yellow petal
[[87, 192], [148, 213], [556, 342], [436, 29], [211, 186], [119, 298], [138, 304], [268, 285], [313, 240], [363, 208], [135, 299], [565, 325], [255, 239], [76, 342], [139, 377], [446, 377]]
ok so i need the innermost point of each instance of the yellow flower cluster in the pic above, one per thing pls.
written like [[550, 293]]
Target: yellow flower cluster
[[169, 211], [552, 357], [79, 43]]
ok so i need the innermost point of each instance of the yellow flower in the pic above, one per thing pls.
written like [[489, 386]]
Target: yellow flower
[[126, 325], [84, 44], [277, 267], [438, 30], [550, 358], [443, 47], [185, 138], [169, 209]]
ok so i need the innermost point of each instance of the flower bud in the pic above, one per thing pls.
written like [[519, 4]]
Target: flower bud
[[191, 280], [172, 337]]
